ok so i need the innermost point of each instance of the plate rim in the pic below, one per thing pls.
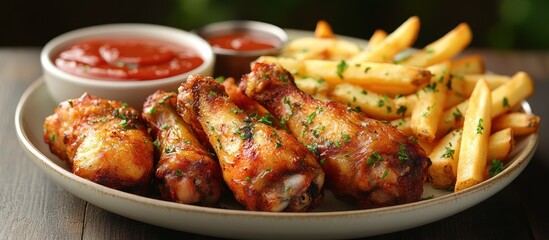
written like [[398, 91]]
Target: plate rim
[[494, 184]]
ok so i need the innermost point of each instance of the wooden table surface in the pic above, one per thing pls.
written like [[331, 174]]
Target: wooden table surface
[[34, 207]]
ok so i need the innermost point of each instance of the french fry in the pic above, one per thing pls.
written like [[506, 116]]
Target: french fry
[[453, 99], [323, 30], [403, 125], [521, 123], [472, 64], [464, 84], [372, 104], [320, 48], [383, 78], [474, 142], [403, 37], [428, 110], [316, 87], [444, 161], [375, 39], [442, 49], [500, 144], [504, 98]]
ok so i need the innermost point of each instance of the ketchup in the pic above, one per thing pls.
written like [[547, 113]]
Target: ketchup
[[126, 59], [242, 41]]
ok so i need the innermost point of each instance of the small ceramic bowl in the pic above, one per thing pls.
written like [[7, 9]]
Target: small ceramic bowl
[[63, 85], [232, 61]]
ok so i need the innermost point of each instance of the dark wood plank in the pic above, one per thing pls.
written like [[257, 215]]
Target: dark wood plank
[[101, 224], [31, 206]]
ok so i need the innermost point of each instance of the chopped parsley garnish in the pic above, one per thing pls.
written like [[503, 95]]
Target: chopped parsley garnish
[[124, 122], [496, 166], [449, 151], [212, 93], [374, 158], [52, 137], [479, 126], [178, 173], [156, 143], [152, 110], [402, 154], [341, 67], [248, 179], [412, 139], [165, 126], [237, 111], [283, 78], [267, 119], [313, 148], [385, 172], [169, 149], [431, 87], [346, 138], [367, 69], [457, 114], [323, 161], [402, 110], [220, 79], [505, 102]]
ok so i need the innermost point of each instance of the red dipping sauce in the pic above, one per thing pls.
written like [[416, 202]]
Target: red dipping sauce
[[243, 41], [126, 59]]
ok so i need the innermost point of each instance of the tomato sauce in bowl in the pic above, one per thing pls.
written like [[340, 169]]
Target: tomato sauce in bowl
[[126, 59], [243, 41], [237, 43]]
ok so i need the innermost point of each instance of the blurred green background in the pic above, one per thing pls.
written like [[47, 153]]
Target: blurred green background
[[499, 24]]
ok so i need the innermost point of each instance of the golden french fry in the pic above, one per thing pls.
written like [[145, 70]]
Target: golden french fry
[[428, 110], [453, 99], [503, 98], [474, 141], [521, 123], [500, 144], [442, 49], [444, 160], [375, 39], [464, 84], [320, 48], [403, 125], [372, 104], [403, 37], [427, 147], [312, 86], [472, 64], [383, 78], [323, 30]]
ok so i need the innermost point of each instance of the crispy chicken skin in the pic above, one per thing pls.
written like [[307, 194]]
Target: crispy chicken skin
[[265, 168], [103, 141], [365, 160], [186, 170]]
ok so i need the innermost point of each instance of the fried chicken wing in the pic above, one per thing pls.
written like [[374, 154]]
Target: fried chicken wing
[[265, 168], [186, 170], [103, 141], [364, 160]]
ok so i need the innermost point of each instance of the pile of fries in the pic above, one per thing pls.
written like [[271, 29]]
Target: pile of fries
[[466, 119]]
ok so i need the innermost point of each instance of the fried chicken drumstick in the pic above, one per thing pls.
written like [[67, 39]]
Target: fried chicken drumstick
[[365, 160], [103, 141], [186, 170], [265, 168]]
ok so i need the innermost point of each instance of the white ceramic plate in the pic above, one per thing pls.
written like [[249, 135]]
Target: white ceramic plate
[[334, 219]]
